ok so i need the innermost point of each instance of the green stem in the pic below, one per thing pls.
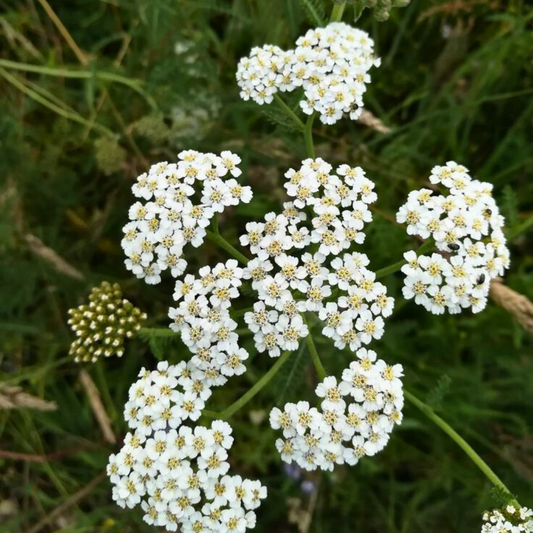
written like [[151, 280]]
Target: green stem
[[223, 243], [133, 84], [214, 224], [319, 367], [337, 12], [382, 272], [289, 112], [308, 136], [249, 394], [236, 313], [156, 332], [397, 266], [472, 454]]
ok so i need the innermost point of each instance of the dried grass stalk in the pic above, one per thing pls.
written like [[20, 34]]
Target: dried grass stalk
[[50, 256], [97, 407], [514, 303], [16, 398], [368, 119]]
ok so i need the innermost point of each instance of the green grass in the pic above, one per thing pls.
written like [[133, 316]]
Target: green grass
[[73, 136]]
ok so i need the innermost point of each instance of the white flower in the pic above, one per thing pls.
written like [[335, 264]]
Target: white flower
[[369, 326], [332, 393], [178, 474], [167, 218], [291, 329], [459, 223]]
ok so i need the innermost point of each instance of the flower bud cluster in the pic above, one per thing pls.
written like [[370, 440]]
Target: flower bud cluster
[[355, 418], [102, 326], [173, 212], [331, 64], [507, 520], [467, 228], [179, 474], [299, 264]]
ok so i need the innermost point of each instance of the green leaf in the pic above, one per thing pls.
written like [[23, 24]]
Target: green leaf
[[292, 375], [436, 395], [510, 205], [159, 340], [315, 11], [358, 9], [279, 119]]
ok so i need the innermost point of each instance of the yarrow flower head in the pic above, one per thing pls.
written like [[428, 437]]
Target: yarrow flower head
[[102, 326], [202, 316], [331, 64], [508, 520], [174, 210], [467, 228], [177, 473], [302, 262], [355, 417]]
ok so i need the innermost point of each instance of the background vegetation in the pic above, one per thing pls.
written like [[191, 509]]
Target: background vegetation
[[83, 111]]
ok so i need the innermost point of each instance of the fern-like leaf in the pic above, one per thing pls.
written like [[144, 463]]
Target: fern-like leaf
[[436, 395], [279, 119], [159, 340], [315, 11], [510, 205], [293, 374]]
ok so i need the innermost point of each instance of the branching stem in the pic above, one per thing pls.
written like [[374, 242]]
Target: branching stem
[[472, 454]]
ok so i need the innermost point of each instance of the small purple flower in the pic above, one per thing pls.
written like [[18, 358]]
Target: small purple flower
[[293, 471], [308, 486]]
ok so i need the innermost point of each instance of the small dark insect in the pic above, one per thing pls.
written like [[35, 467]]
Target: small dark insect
[[454, 246], [481, 279], [488, 212]]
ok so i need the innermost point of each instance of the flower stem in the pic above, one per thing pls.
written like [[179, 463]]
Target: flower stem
[[223, 243], [337, 12], [397, 266], [156, 332], [382, 272], [472, 454], [308, 136], [214, 224], [319, 367], [289, 112], [248, 395]]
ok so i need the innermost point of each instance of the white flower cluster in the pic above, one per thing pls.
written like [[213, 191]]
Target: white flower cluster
[[172, 212], [331, 64], [508, 520], [466, 226], [179, 474], [203, 319], [288, 285], [355, 418]]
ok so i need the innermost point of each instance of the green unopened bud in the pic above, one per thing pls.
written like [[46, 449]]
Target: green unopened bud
[[400, 3], [370, 3], [105, 322], [381, 15]]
